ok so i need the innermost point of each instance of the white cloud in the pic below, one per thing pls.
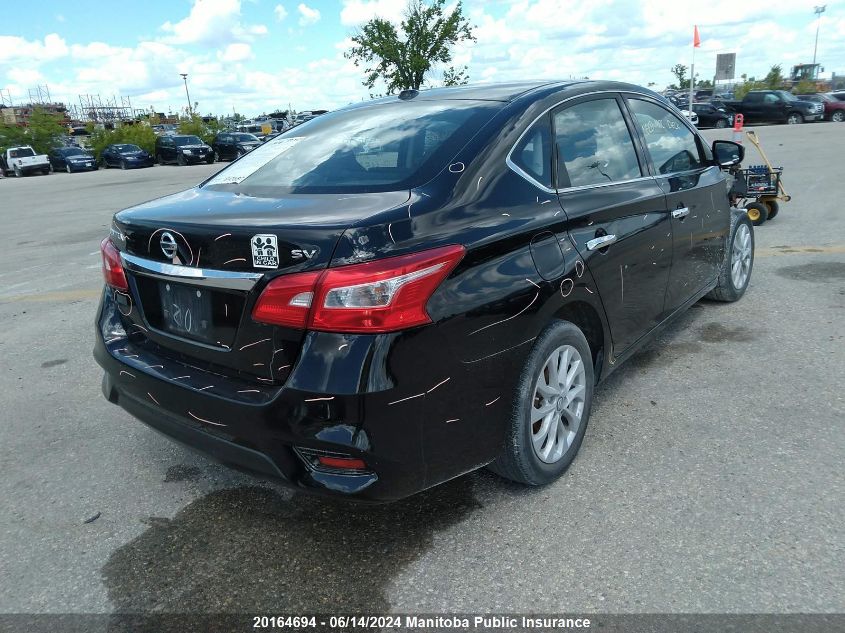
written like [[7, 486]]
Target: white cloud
[[307, 15], [212, 22], [281, 12], [357, 12], [237, 52], [14, 48]]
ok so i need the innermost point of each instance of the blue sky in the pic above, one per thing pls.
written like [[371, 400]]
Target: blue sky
[[254, 56]]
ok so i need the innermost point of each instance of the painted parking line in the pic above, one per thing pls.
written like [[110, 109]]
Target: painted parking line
[[774, 251], [54, 297]]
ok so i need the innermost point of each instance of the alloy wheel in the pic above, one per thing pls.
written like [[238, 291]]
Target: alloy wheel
[[741, 256], [557, 405]]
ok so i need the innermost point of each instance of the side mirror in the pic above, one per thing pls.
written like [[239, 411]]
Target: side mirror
[[728, 153]]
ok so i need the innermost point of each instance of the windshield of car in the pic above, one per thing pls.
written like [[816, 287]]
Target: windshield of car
[[127, 148], [74, 151], [187, 140], [245, 138], [383, 147], [23, 152], [787, 96]]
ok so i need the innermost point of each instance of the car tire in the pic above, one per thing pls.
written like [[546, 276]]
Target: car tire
[[180, 160], [739, 258], [238, 154], [215, 157], [159, 159], [123, 164], [557, 435], [772, 208], [18, 173], [47, 171], [757, 212], [721, 124], [50, 168], [67, 169], [794, 118], [838, 116]]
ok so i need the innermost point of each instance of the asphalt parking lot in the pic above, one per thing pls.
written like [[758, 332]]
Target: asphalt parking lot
[[711, 478]]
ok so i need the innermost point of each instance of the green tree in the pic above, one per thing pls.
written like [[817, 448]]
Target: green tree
[[806, 87], [774, 78], [680, 72], [43, 131], [403, 56], [196, 126]]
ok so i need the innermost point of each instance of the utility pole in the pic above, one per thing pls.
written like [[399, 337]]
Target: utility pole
[[818, 11], [187, 94]]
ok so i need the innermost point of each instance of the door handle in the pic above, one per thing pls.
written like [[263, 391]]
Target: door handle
[[600, 242], [680, 213]]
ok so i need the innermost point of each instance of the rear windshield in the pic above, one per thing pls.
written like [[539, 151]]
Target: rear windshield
[[21, 153], [187, 140], [385, 147]]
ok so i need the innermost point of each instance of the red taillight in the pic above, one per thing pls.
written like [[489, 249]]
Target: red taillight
[[348, 463], [287, 300], [381, 296], [112, 266]]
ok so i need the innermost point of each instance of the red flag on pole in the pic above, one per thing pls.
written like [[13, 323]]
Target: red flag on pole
[[696, 40]]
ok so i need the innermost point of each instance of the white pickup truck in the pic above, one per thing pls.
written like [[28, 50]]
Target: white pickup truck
[[23, 160]]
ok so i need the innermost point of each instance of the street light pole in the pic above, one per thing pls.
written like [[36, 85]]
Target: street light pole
[[818, 11], [187, 94]]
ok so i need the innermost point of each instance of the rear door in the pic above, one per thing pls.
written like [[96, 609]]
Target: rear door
[[617, 213], [695, 197]]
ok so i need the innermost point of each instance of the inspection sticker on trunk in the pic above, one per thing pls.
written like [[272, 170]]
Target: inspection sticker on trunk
[[265, 251], [254, 160]]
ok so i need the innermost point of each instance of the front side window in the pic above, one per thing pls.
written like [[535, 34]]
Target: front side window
[[672, 145], [594, 145], [533, 153]]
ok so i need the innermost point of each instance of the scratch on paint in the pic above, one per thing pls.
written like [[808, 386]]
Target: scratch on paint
[[532, 283], [319, 399], [342, 346], [237, 259], [264, 340], [390, 233], [588, 290], [453, 420], [389, 404], [127, 373], [622, 281], [438, 384], [536, 296], [571, 287], [487, 404], [204, 388], [222, 236], [196, 417], [152, 398], [249, 391]]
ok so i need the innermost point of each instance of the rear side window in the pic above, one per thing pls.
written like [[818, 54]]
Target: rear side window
[[672, 145], [594, 145], [533, 153]]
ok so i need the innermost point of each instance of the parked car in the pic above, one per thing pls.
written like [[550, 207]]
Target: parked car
[[182, 149], [71, 159], [691, 116], [778, 106], [839, 95], [23, 161], [834, 109], [711, 116], [232, 145], [703, 96], [125, 156], [413, 287]]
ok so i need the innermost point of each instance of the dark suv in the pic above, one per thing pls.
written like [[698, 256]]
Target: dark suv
[[233, 145], [182, 150], [408, 289]]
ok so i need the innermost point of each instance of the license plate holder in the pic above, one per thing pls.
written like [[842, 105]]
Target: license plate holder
[[186, 311]]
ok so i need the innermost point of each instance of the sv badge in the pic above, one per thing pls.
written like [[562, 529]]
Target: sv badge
[[302, 253]]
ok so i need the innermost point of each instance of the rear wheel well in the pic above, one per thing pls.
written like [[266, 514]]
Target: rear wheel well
[[585, 317]]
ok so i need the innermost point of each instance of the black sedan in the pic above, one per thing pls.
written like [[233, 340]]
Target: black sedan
[[125, 156], [407, 289], [233, 145], [710, 115], [71, 159]]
